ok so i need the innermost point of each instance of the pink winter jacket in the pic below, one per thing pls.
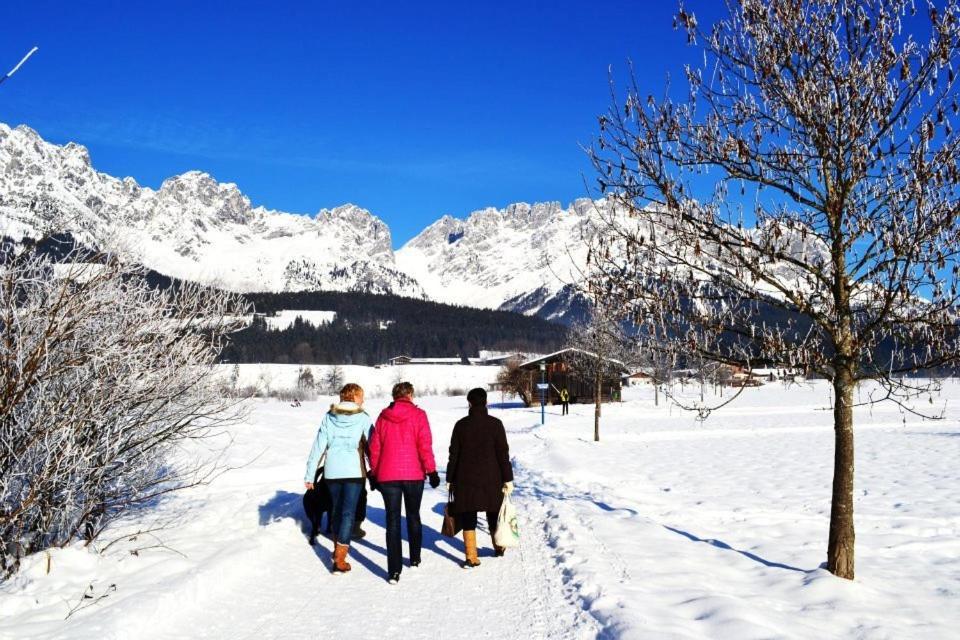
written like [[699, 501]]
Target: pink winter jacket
[[401, 447]]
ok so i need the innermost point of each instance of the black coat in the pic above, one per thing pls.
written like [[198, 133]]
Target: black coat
[[479, 462]]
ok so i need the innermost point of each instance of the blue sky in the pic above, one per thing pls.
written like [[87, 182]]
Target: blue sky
[[411, 110]]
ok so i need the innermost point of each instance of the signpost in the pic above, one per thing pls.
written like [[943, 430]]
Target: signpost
[[543, 386]]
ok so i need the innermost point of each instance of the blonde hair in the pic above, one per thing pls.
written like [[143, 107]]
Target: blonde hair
[[351, 392]]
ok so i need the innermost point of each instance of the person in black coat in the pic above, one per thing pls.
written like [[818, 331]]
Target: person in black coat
[[478, 472]]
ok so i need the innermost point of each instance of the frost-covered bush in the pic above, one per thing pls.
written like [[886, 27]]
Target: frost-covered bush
[[101, 378], [293, 395]]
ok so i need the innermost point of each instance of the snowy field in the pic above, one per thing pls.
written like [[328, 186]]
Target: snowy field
[[287, 317], [428, 379], [667, 528]]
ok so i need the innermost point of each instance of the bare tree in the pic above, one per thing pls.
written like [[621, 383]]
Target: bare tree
[[101, 379], [305, 381], [333, 380], [798, 208], [598, 342]]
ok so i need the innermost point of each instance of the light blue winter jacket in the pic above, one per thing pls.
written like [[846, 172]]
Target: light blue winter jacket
[[339, 435]]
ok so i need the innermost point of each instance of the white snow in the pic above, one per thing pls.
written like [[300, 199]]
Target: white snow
[[667, 528], [287, 317]]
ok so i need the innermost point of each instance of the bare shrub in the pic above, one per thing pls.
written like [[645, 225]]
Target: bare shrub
[[514, 381], [101, 378]]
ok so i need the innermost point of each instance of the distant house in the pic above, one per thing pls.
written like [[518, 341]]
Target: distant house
[[559, 373], [500, 359], [641, 376], [741, 376], [407, 360]]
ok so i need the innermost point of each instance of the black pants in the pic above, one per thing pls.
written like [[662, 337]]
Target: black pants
[[566, 407], [411, 492], [361, 513], [468, 520]]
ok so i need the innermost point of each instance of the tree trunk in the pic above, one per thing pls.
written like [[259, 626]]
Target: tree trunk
[[840, 546], [597, 389]]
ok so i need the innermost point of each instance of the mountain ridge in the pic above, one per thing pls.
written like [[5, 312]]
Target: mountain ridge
[[194, 227]]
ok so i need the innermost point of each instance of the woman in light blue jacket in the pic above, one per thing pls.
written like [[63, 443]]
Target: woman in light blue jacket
[[343, 436]]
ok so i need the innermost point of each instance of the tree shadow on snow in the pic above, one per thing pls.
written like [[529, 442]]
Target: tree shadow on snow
[[942, 434], [723, 545], [506, 405], [541, 494]]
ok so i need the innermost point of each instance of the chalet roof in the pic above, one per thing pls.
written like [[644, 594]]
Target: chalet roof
[[648, 372], [557, 355], [428, 360]]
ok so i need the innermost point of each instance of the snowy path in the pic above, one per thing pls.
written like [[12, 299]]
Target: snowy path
[[283, 590]]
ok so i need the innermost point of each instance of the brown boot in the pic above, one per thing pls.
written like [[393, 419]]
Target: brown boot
[[470, 544], [498, 551], [340, 564]]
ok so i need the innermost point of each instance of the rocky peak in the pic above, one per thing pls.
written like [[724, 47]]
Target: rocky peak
[[223, 201]]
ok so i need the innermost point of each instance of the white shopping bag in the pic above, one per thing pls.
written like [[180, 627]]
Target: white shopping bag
[[508, 530]]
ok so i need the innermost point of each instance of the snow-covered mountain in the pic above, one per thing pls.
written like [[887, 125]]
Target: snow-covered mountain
[[192, 227], [521, 258]]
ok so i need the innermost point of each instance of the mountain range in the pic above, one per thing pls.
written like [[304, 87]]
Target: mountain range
[[524, 257]]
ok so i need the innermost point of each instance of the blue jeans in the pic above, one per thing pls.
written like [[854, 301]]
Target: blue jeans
[[344, 494], [411, 491]]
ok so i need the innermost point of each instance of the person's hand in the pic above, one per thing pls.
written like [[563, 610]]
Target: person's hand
[[374, 486], [434, 479], [507, 488], [308, 485], [449, 488]]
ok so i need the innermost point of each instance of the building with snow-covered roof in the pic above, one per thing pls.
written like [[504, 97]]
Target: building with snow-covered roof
[[407, 360], [559, 370]]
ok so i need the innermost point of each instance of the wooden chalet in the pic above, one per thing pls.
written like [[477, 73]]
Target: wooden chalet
[[560, 372]]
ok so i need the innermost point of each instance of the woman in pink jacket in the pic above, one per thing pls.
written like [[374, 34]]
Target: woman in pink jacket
[[401, 456]]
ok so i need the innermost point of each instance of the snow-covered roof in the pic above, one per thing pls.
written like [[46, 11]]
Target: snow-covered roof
[[642, 371], [428, 360], [553, 355]]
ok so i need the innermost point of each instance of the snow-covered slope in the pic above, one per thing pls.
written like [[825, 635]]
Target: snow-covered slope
[[523, 257], [192, 227]]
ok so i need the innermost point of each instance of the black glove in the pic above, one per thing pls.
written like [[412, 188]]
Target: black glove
[[374, 486], [434, 479]]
